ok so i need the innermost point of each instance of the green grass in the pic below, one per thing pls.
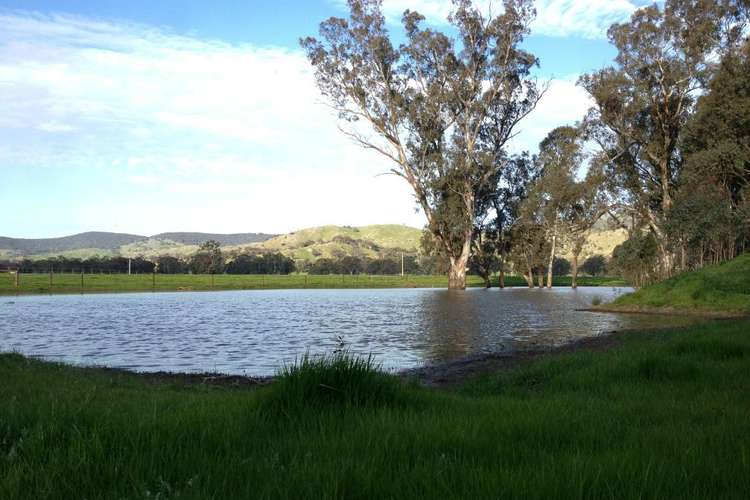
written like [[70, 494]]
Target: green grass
[[665, 415], [71, 283], [723, 287]]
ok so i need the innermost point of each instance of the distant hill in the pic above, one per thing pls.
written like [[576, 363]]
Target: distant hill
[[382, 240], [129, 245], [92, 239], [336, 241]]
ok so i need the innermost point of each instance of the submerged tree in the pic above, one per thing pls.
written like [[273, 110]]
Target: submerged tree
[[497, 213], [442, 109], [587, 205], [556, 192]]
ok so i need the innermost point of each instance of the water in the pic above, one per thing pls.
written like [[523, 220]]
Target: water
[[255, 332]]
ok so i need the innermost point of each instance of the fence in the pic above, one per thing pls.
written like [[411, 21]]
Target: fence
[[94, 282]]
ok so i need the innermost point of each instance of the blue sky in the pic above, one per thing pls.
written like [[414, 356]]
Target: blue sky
[[146, 116]]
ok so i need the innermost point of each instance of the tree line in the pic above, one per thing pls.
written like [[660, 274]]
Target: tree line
[[209, 259], [664, 152]]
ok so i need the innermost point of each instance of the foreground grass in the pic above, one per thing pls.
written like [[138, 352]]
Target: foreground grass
[[75, 283], [720, 288], [664, 415]]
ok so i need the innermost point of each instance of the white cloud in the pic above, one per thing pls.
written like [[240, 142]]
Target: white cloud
[[564, 103], [584, 18], [192, 134], [178, 116], [54, 127], [143, 180]]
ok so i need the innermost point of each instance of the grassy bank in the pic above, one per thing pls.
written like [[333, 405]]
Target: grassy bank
[[664, 415], [722, 289], [77, 283]]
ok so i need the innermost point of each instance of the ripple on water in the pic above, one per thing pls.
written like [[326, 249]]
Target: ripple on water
[[255, 332]]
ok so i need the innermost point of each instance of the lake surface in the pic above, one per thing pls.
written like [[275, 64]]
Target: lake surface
[[255, 332]]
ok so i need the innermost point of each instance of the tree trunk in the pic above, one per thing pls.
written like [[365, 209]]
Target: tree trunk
[[502, 278], [540, 276], [551, 261], [574, 278], [487, 282], [457, 270], [529, 277]]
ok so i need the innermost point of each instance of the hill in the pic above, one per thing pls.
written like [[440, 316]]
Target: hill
[[336, 241], [374, 241], [722, 288], [224, 239], [89, 240], [128, 245]]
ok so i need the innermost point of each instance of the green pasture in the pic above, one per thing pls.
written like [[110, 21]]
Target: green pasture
[[86, 283]]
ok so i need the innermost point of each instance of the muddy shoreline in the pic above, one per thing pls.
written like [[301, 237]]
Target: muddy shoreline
[[667, 311]]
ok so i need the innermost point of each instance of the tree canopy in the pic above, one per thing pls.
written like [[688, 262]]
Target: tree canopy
[[441, 108]]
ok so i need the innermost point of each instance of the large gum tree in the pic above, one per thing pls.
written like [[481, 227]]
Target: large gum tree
[[665, 57], [440, 107]]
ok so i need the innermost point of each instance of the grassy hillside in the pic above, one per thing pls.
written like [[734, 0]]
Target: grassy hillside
[[601, 241], [723, 287], [662, 416], [306, 244], [334, 241]]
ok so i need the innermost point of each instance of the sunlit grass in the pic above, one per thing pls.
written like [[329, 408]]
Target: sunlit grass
[[723, 287]]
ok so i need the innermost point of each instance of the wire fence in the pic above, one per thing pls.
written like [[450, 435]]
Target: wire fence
[[92, 282]]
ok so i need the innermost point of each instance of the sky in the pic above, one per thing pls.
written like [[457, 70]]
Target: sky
[[145, 117]]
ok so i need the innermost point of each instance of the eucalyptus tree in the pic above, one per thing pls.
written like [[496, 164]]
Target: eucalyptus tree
[[587, 205], [712, 207], [496, 214], [665, 56], [440, 107], [555, 193]]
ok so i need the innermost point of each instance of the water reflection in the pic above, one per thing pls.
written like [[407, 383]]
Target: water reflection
[[255, 332]]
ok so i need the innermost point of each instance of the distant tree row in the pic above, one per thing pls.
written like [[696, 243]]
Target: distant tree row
[[363, 265], [209, 259], [90, 265]]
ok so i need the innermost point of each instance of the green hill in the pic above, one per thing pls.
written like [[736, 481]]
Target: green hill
[[336, 241], [375, 241], [719, 288]]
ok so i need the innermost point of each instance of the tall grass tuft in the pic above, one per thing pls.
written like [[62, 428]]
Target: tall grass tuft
[[334, 380]]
